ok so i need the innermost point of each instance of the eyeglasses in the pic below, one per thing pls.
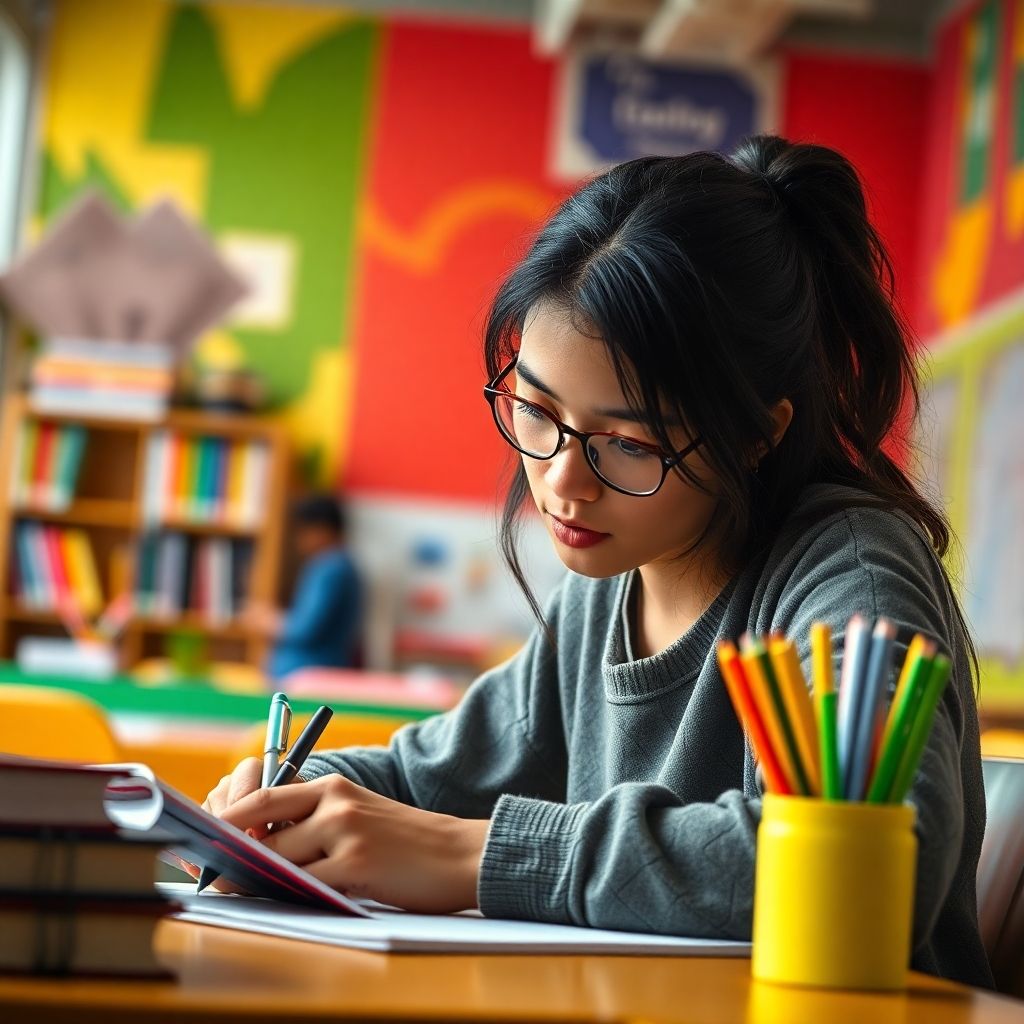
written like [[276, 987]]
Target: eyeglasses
[[623, 463]]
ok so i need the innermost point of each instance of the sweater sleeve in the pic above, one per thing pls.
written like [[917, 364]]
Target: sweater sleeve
[[505, 735], [638, 858]]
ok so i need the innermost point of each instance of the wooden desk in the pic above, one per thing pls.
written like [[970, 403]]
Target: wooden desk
[[233, 976]]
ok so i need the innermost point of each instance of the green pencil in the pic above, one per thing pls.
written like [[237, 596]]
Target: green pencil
[[937, 679], [757, 648], [905, 715]]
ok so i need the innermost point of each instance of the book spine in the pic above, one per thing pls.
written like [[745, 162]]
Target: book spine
[[43, 463], [70, 464], [23, 456]]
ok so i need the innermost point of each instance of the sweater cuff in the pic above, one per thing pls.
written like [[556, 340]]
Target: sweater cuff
[[315, 768], [527, 861]]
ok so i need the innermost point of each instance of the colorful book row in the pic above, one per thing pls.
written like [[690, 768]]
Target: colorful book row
[[47, 461], [205, 479], [53, 564], [180, 573]]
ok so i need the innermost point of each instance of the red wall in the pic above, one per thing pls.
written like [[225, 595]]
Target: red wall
[[460, 155]]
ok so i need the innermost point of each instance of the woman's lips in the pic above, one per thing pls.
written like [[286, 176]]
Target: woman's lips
[[575, 536]]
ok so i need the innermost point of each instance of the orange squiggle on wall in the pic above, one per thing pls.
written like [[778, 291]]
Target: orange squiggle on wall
[[422, 249]]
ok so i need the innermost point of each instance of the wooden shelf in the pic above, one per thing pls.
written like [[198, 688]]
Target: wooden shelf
[[158, 624], [26, 613], [84, 512], [207, 529], [113, 478]]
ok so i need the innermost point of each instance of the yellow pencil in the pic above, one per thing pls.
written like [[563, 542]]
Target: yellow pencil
[[825, 703], [797, 699]]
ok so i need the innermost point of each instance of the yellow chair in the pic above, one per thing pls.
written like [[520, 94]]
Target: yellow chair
[[1002, 743], [341, 731], [58, 724]]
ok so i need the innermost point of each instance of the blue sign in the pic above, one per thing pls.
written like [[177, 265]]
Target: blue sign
[[623, 107]]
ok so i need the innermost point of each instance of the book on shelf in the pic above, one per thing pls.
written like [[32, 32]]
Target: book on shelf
[[53, 563], [47, 461], [205, 479], [179, 573]]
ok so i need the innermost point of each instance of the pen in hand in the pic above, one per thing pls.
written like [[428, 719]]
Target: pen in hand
[[287, 771], [276, 743]]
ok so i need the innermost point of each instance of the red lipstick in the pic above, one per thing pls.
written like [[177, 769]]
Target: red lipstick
[[575, 536]]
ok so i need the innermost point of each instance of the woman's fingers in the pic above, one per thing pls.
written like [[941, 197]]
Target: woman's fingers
[[285, 803], [245, 779]]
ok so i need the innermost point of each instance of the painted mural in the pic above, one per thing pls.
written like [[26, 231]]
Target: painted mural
[[974, 308], [254, 119]]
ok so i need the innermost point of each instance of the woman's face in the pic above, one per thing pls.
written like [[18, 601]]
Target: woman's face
[[596, 530]]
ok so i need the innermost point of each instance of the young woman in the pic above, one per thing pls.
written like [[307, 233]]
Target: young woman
[[699, 362]]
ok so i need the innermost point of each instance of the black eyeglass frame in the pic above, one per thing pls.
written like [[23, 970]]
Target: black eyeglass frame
[[493, 390]]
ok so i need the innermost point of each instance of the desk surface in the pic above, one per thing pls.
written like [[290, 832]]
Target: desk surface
[[227, 975]]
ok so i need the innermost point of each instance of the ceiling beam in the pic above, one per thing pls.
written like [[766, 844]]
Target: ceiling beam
[[554, 23]]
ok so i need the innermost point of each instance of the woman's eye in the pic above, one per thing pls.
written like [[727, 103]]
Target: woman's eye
[[631, 448], [522, 409]]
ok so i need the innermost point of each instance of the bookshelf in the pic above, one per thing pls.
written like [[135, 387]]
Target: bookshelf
[[185, 511]]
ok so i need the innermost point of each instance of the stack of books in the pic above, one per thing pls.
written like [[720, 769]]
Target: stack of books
[[53, 565], [205, 480], [82, 377], [78, 895], [47, 460]]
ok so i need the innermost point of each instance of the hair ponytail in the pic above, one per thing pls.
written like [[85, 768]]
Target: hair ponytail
[[863, 342]]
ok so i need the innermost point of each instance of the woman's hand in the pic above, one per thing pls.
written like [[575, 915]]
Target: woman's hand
[[364, 844], [243, 780]]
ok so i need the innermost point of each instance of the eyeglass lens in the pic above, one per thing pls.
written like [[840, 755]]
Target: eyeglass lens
[[617, 460]]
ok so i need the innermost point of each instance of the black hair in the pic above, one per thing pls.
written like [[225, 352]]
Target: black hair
[[320, 510], [720, 286]]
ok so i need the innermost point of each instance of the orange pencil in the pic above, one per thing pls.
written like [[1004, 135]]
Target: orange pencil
[[797, 699], [746, 710]]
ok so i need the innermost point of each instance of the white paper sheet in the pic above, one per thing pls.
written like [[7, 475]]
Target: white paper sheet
[[396, 931]]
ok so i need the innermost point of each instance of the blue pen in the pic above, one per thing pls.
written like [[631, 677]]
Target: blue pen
[[868, 710], [855, 655]]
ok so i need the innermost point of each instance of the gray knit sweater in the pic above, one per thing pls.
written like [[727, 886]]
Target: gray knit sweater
[[620, 791]]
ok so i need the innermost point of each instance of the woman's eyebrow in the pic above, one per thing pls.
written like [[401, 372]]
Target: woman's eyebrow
[[522, 370]]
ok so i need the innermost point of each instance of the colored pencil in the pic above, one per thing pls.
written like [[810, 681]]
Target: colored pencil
[[856, 646], [825, 699], [758, 665], [797, 699], [869, 707], [746, 710], [910, 693], [921, 728]]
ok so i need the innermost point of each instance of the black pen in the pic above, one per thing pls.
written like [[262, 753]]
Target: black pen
[[288, 770]]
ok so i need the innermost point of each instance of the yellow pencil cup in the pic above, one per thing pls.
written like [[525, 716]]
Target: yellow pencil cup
[[834, 893]]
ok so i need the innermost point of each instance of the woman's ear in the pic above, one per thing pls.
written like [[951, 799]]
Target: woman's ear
[[782, 416]]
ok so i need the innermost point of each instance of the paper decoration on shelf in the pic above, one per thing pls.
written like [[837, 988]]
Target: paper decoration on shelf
[[96, 276]]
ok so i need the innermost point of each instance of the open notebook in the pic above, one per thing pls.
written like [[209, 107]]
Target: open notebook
[[396, 931]]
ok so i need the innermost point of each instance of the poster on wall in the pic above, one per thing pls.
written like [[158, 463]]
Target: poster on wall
[[614, 106], [971, 426]]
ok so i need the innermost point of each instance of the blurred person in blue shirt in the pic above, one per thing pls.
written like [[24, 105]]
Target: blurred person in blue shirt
[[321, 627]]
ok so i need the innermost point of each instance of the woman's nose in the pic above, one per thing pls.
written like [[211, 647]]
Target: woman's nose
[[569, 475]]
